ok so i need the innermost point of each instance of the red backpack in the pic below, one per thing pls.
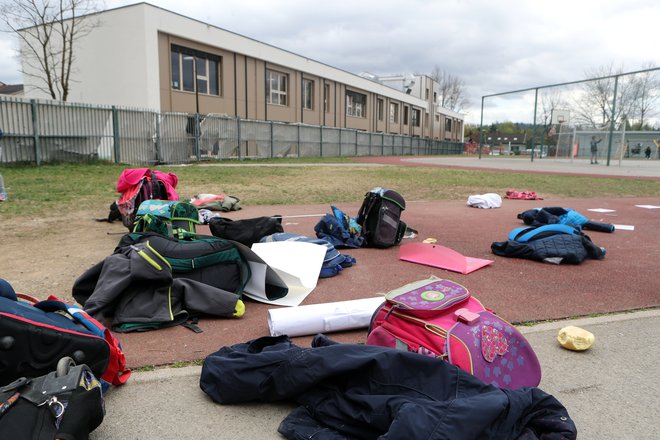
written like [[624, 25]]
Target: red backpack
[[439, 318]]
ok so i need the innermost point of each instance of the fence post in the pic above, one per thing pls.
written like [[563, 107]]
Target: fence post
[[238, 136], [272, 140], [115, 133], [158, 153], [370, 143], [298, 141], [197, 136], [321, 140], [35, 132], [356, 143], [609, 143]]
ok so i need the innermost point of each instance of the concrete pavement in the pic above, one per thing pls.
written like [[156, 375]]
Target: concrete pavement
[[611, 391]]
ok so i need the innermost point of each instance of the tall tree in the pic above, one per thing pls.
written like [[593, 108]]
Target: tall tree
[[48, 30], [452, 90]]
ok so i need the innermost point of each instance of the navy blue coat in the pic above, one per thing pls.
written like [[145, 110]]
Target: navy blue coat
[[353, 391]]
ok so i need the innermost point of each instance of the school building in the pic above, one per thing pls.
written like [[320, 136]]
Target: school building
[[144, 56]]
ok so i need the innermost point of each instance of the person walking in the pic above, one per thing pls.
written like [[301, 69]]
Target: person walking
[[647, 152], [594, 150]]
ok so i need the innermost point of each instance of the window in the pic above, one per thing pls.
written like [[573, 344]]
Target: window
[[405, 115], [416, 117], [356, 105], [308, 94], [437, 118], [276, 87], [194, 71], [394, 113], [427, 94], [448, 124], [381, 110], [326, 98]]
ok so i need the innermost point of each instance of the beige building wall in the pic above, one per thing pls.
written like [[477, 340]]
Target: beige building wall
[[136, 70]]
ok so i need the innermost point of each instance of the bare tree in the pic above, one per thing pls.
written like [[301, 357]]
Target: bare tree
[[48, 30], [594, 106], [647, 88], [452, 90]]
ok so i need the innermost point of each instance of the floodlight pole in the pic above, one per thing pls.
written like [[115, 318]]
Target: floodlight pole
[[609, 142]]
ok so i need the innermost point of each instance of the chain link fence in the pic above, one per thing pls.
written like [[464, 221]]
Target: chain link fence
[[48, 131], [620, 112]]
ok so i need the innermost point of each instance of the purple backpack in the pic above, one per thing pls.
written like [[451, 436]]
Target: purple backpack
[[439, 318]]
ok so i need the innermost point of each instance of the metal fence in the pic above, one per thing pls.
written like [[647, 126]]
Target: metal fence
[[559, 120], [48, 131]]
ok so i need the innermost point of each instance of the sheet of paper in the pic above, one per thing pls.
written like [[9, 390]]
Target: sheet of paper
[[648, 206], [298, 264], [601, 210], [440, 256], [624, 228]]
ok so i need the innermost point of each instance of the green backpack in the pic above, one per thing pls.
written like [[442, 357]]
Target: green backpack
[[171, 218]]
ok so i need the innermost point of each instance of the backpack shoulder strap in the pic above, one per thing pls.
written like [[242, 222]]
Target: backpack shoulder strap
[[523, 235]]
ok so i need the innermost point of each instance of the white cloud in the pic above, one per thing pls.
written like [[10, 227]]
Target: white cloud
[[493, 46]]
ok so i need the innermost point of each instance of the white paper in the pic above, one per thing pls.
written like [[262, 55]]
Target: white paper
[[648, 206], [256, 286], [624, 228], [298, 264], [601, 210], [322, 318]]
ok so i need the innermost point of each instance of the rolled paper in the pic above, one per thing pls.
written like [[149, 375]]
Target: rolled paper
[[322, 318]]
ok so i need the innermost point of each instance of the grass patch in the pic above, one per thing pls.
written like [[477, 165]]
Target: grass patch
[[41, 191]]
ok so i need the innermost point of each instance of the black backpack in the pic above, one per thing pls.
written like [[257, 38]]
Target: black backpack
[[380, 218]]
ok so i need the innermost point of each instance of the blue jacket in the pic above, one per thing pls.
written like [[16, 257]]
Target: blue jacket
[[354, 391]]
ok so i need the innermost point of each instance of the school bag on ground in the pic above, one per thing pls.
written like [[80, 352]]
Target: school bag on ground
[[35, 335], [171, 218], [380, 218], [246, 231], [135, 185], [66, 403], [440, 318]]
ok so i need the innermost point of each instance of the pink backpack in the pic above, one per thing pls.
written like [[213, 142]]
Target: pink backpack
[[439, 318]]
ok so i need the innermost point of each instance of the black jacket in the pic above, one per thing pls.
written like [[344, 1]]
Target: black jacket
[[352, 391]]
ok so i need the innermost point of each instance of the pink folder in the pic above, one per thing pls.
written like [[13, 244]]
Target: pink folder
[[440, 256]]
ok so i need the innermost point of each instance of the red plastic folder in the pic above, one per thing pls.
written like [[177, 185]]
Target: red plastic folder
[[441, 257]]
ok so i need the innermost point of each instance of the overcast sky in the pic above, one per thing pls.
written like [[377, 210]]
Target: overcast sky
[[493, 46]]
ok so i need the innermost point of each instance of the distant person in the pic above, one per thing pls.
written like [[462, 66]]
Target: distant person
[[594, 149], [647, 152]]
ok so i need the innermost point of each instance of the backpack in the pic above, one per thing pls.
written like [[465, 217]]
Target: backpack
[[440, 318], [137, 185], [167, 217], [209, 260], [333, 262], [35, 335], [339, 229], [66, 403], [380, 218], [246, 231]]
